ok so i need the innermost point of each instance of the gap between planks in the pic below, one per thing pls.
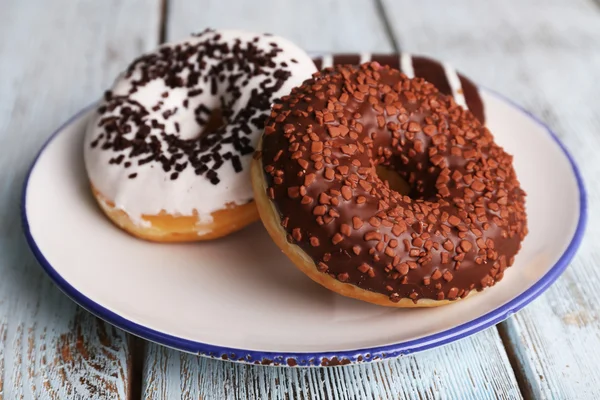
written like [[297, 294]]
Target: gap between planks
[[513, 359], [383, 16], [137, 348], [137, 345], [162, 22]]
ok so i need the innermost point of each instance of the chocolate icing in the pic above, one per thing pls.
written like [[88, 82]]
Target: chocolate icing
[[463, 221], [426, 68]]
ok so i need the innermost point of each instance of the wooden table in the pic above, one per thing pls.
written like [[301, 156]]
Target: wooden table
[[57, 56]]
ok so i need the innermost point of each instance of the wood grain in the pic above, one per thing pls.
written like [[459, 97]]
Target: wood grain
[[55, 58], [544, 54], [469, 369], [475, 368]]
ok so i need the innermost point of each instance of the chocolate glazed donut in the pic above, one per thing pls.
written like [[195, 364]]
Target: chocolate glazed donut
[[319, 195]]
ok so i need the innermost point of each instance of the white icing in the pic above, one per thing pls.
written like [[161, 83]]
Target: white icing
[[365, 57], [406, 65], [326, 61], [152, 190], [455, 85]]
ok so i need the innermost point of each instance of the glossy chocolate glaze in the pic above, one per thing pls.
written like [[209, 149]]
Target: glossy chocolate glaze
[[464, 220]]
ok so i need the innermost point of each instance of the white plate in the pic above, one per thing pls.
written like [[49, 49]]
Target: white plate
[[240, 298]]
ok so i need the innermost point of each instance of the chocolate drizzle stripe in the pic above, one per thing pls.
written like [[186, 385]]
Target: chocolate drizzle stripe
[[432, 72], [385, 59], [353, 59], [472, 97]]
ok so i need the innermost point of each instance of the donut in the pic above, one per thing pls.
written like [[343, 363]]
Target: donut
[[169, 149], [318, 192], [442, 75]]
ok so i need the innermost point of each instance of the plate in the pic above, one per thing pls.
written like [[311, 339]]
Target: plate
[[241, 299]]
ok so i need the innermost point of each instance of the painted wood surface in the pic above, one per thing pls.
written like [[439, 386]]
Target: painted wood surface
[[55, 58], [316, 25], [475, 368], [58, 56], [545, 55], [470, 369]]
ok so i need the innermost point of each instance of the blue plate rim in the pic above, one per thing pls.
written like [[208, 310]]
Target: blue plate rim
[[303, 359]]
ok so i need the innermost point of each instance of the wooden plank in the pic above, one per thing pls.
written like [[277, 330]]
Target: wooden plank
[[326, 25], [475, 368], [543, 54], [469, 369], [55, 58]]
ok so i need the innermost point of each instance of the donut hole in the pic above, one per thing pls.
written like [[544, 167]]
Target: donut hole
[[396, 182], [214, 123]]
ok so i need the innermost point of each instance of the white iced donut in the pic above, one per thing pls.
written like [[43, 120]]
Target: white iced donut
[[169, 149]]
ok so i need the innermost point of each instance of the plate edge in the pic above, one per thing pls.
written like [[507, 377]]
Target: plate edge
[[308, 359]]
